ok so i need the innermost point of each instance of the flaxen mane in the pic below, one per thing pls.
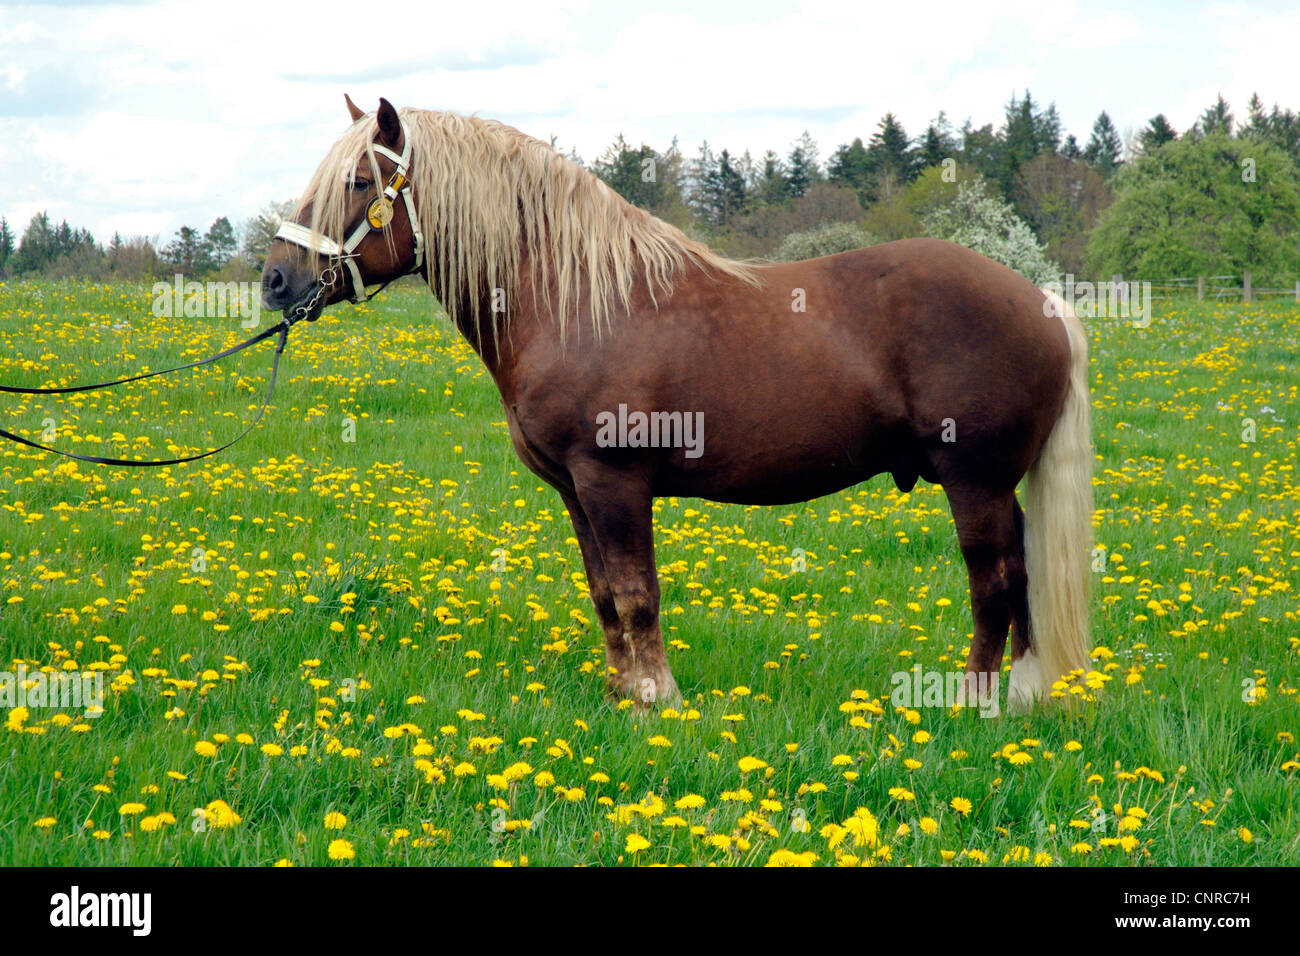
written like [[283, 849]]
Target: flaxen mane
[[480, 186]]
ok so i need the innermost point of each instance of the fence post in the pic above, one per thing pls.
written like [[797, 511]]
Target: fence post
[[1297, 290], [1245, 285], [1200, 288]]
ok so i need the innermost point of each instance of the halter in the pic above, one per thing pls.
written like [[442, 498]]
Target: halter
[[378, 215]]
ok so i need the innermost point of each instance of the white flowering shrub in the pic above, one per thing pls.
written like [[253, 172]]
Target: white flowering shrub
[[988, 225], [823, 241]]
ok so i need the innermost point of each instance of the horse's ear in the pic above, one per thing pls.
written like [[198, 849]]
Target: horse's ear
[[356, 111], [390, 127]]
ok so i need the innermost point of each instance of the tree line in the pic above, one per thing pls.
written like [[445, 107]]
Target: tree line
[[889, 184], [1219, 194], [48, 250]]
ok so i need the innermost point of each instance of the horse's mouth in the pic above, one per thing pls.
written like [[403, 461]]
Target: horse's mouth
[[307, 306]]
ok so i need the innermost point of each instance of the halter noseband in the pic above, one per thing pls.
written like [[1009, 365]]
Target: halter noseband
[[378, 215]]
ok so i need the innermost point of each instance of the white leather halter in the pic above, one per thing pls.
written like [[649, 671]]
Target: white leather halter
[[378, 215]]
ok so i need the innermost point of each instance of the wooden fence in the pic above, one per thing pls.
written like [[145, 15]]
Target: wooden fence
[[1215, 287]]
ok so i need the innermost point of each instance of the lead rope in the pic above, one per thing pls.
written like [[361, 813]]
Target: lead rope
[[281, 328]]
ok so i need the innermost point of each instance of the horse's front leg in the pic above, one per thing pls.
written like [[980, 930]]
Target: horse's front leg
[[617, 506], [618, 658]]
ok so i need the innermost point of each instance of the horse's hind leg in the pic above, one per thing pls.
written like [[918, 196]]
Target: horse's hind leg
[[1020, 604], [618, 660], [618, 508], [992, 545]]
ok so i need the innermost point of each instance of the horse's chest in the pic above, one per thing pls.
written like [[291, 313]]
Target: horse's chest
[[530, 453]]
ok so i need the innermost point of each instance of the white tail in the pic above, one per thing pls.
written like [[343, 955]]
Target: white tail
[[1058, 536]]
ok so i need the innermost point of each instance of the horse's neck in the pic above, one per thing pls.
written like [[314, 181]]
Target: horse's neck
[[502, 340]]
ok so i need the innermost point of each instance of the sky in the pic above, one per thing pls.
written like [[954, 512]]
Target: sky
[[140, 117]]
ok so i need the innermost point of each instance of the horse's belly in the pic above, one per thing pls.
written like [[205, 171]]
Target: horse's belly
[[780, 486]]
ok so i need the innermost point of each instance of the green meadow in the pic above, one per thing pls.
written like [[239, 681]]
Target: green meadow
[[362, 635]]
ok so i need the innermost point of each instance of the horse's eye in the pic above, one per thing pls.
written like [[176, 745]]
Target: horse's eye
[[359, 184]]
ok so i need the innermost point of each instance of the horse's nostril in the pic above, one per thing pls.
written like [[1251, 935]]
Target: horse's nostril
[[276, 282]]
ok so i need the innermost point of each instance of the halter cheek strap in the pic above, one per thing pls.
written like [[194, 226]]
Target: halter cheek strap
[[378, 215]]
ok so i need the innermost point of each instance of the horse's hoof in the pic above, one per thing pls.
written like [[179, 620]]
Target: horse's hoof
[[658, 691]]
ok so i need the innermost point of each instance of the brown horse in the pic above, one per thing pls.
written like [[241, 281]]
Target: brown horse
[[634, 362]]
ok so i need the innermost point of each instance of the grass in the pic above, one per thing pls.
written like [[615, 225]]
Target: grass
[[396, 628]]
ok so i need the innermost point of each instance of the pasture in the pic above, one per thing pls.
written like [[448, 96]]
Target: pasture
[[362, 635]]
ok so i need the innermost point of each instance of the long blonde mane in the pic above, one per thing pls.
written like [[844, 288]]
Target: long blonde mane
[[487, 194]]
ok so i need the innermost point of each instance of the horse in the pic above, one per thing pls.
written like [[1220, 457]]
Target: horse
[[917, 358]]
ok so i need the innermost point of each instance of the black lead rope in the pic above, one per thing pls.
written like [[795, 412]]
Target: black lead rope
[[282, 329], [325, 281], [68, 389]]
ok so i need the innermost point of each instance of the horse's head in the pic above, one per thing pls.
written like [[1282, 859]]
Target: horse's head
[[355, 224]]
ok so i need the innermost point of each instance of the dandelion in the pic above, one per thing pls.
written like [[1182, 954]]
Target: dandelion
[[791, 858], [516, 771], [221, 816], [636, 843], [863, 827]]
